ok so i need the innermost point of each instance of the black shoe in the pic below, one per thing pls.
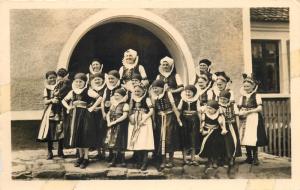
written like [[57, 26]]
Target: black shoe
[[113, 160], [84, 163], [163, 163], [123, 163], [144, 167], [110, 157], [60, 153], [78, 162], [50, 155]]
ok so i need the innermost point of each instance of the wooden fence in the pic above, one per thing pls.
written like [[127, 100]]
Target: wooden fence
[[277, 115]]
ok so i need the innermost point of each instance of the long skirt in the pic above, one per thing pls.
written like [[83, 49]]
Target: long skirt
[[50, 129], [140, 137], [167, 133], [99, 123], [81, 132], [232, 141], [212, 144], [190, 135], [252, 130], [116, 138]]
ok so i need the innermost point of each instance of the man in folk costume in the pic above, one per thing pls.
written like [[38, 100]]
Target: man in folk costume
[[130, 67], [252, 128], [169, 76], [167, 117]]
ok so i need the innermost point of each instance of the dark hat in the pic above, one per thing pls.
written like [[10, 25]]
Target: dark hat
[[81, 76], [249, 78], [62, 72], [120, 91], [141, 85], [225, 94], [96, 60], [191, 88], [114, 73], [222, 75], [205, 61], [213, 104], [158, 83], [136, 76], [50, 73], [99, 75]]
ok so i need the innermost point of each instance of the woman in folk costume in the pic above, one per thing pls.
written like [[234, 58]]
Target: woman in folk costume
[[96, 89], [131, 66], [95, 67], [81, 133], [232, 138], [51, 128], [189, 106], [203, 85], [204, 68], [167, 118], [140, 131], [222, 83], [252, 129], [172, 80], [117, 122], [112, 83], [212, 127]]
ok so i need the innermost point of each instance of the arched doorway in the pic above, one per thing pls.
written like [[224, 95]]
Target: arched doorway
[[165, 32], [108, 43]]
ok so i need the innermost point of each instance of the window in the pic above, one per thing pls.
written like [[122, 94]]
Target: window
[[265, 65]]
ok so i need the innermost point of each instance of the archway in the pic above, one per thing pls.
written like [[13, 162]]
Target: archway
[[165, 32]]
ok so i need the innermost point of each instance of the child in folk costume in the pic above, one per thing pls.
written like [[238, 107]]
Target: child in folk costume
[[81, 133], [252, 129], [112, 83], [130, 67], [189, 106], [96, 89], [231, 139], [135, 79], [51, 126], [166, 118], [95, 67], [169, 76], [117, 122], [140, 131], [212, 127], [222, 83], [203, 85]]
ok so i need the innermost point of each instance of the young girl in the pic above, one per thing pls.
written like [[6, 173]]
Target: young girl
[[232, 138], [81, 133], [136, 79], [96, 89], [203, 85], [117, 122], [212, 127], [252, 129], [189, 106], [140, 131], [169, 76], [51, 129], [166, 120], [95, 67], [222, 83]]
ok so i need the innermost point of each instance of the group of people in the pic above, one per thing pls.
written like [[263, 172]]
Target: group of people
[[122, 111]]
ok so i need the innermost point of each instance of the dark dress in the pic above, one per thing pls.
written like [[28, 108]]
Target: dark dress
[[213, 143], [190, 136], [166, 133], [231, 138], [51, 128], [116, 138], [81, 132]]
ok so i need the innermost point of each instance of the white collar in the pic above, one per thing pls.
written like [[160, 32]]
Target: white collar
[[77, 90], [164, 73], [49, 87], [214, 116], [110, 87], [97, 88], [243, 92], [130, 66], [186, 99], [93, 72], [138, 99], [153, 95], [201, 91]]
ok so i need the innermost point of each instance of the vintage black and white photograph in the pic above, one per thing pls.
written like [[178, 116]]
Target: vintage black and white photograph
[[150, 93]]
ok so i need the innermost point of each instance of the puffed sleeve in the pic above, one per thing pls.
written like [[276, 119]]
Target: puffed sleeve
[[178, 80], [142, 72], [258, 100], [126, 108], [69, 96], [221, 120], [149, 103]]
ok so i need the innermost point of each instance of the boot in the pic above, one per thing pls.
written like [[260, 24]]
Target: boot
[[110, 156], [171, 160], [249, 158], [123, 163], [84, 163], [163, 162], [78, 162], [60, 152], [138, 159], [255, 156], [145, 161], [50, 153], [113, 160]]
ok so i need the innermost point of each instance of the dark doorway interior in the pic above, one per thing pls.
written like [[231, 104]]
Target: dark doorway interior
[[108, 43]]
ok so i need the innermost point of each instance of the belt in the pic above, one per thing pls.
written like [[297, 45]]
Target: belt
[[210, 127], [188, 113], [80, 104], [164, 112]]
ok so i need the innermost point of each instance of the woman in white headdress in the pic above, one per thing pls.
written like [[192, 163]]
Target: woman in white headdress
[[95, 67]]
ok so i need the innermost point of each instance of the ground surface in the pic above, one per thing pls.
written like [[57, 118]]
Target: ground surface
[[31, 165]]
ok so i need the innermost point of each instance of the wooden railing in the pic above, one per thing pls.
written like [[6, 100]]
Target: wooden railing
[[277, 115]]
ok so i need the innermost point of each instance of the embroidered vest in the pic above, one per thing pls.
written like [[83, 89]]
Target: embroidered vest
[[171, 80], [127, 73], [116, 112], [250, 103], [142, 105], [163, 104]]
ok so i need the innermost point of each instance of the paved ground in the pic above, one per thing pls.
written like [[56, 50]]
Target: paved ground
[[31, 164]]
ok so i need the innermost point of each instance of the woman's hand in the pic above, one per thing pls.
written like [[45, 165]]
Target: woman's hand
[[224, 131], [91, 109]]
